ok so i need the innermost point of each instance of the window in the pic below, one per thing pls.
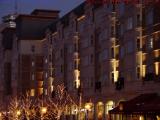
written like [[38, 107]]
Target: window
[[112, 77], [61, 68], [33, 76], [112, 30], [138, 20], [46, 75], [112, 52], [129, 23], [33, 48], [109, 106], [86, 60], [45, 91], [61, 53], [138, 43], [32, 92], [150, 43], [70, 49], [50, 58], [121, 8], [149, 17], [50, 39], [91, 58], [122, 52], [130, 47], [138, 72], [70, 66], [92, 40], [85, 43], [121, 29], [33, 63], [103, 55]]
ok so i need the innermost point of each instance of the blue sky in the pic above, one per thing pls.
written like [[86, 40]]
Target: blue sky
[[26, 6]]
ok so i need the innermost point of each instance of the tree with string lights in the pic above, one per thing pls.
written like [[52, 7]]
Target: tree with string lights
[[28, 106], [15, 109], [58, 103]]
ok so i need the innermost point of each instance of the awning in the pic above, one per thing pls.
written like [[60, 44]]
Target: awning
[[143, 104]]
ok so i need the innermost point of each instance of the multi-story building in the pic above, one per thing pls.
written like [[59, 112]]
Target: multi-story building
[[22, 54], [105, 54]]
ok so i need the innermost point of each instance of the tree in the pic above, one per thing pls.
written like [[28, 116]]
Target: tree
[[15, 109], [58, 103], [28, 106]]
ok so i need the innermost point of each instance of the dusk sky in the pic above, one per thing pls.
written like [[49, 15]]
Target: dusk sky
[[26, 6]]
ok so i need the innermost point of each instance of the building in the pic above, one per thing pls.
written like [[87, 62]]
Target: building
[[105, 54], [22, 54]]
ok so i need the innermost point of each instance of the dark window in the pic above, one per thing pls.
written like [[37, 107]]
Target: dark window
[[62, 53], [92, 40], [138, 72], [112, 77], [50, 58], [112, 52], [91, 60], [138, 20], [50, 39], [138, 43], [93, 16], [61, 68], [33, 48]]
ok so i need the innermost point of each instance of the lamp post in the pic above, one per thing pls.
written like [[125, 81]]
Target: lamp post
[[43, 111]]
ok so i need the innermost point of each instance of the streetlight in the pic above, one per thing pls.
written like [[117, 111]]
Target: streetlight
[[18, 112], [43, 111]]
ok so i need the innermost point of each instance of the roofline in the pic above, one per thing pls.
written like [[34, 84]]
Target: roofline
[[45, 10], [35, 16]]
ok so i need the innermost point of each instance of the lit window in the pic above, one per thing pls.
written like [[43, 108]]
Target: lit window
[[32, 76], [157, 68], [45, 92], [32, 63], [109, 106], [40, 91], [150, 43], [46, 75], [143, 70], [46, 60], [32, 92]]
